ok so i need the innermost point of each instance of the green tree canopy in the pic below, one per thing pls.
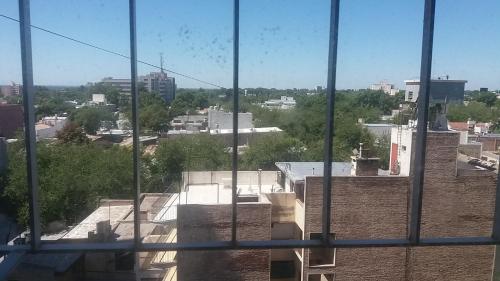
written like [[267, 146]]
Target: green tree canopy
[[189, 153], [91, 118], [72, 178], [271, 149], [72, 134]]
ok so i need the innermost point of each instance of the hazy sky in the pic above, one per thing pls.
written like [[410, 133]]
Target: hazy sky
[[283, 42]]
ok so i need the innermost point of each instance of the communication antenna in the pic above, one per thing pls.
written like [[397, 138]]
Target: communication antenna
[[161, 62]]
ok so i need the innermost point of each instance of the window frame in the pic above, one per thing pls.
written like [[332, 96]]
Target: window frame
[[136, 245]]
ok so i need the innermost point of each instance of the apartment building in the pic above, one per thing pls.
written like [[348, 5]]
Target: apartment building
[[386, 87], [367, 203], [11, 90], [161, 83], [442, 90], [158, 82]]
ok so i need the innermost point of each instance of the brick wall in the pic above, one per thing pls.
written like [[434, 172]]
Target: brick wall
[[377, 207], [198, 223], [453, 206], [362, 208]]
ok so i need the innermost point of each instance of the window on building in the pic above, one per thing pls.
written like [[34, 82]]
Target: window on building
[[214, 163], [319, 257], [282, 269]]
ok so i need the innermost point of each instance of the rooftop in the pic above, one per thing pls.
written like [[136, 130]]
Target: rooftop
[[436, 80], [247, 130], [298, 171]]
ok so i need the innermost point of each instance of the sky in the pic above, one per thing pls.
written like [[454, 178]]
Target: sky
[[283, 43]]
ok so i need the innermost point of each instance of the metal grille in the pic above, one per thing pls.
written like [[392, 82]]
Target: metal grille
[[136, 245]]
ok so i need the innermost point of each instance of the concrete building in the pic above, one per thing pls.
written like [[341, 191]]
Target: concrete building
[[154, 82], [283, 103], [11, 90], [190, 123], [218, 119], [99, 99], [159, 82], [387, 88], [451, 91], [11, 120], [367, 203], [246, 137], [48, 127], [123, 85], [379, 130], [112, 221]]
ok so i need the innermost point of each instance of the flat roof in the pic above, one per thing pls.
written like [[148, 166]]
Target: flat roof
[[112, 213], [436, 80], [378, 125], [246, 130], [209, 194], [298, 171]]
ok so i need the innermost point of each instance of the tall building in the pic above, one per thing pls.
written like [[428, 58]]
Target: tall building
[[159, 82], [154, 82], [366, 203], [11, 90], [123, 85], [451, 91]]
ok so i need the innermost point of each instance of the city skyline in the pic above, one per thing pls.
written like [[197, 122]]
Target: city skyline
[[283, 43]]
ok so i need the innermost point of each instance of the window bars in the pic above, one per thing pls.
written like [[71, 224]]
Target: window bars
[[136, 245]]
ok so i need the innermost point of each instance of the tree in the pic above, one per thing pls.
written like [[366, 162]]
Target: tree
[[90, 118], [189, 153], [72, 134], [382, 147], [189, 102], [265, 152], [72, 178], [153, 112], [487, 98], [477, 111]]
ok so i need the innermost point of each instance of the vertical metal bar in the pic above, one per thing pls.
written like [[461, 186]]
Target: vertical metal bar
[[29, 121], [135, 123], [496, 223], [330, 92], [423, 108], [236, 51]]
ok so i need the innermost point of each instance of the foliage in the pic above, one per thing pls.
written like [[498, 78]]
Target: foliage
[[378, 99], [153, 113], [189, 153], [487, 98], [112, 94], [90, 118], [474, 110], [188, 102], [271, 149], [72, 178], [308, 120], [72, 134], [382, 148]]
